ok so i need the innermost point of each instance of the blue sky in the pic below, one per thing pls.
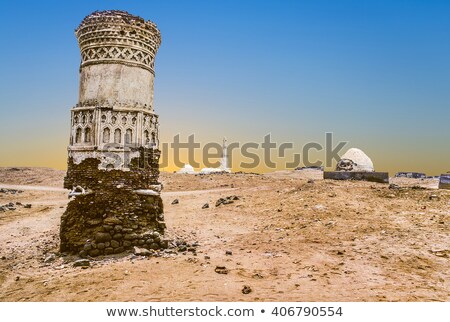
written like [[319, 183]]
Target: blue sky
[[376, 73]]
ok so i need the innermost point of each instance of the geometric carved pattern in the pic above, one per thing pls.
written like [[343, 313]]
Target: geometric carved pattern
[[116, 54], [118, 37]]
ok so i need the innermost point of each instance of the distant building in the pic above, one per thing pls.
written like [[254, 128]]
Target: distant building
[[414, 175]]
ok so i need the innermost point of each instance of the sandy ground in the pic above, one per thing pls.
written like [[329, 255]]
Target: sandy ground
[[290, 239]]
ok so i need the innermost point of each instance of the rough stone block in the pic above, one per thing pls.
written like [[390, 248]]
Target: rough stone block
[[109, 251], [444, 181], [118, 250], [94, 252], [381, 177], [102, 237]]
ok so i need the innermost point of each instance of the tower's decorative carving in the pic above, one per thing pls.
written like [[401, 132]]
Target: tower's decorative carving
[[113, 151]]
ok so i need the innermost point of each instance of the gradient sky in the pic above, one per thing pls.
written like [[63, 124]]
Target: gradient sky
[[375, 73]]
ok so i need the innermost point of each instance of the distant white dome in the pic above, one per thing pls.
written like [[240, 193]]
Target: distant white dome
[[187, 169], [355, 160]]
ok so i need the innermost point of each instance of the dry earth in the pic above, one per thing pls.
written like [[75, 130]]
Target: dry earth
[[291, 240]]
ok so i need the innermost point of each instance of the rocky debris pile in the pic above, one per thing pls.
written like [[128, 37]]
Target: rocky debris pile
[[394, 186], [13, 206], [206, 171], [226, 200], [10, 191], [248, 173], [116, 239], [134, 248], [355, 160], [182, 246]]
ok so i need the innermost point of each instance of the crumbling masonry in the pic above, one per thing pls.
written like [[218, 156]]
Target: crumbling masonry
[[113, 153]]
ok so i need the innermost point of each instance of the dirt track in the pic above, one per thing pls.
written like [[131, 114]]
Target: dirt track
[[290, 241]]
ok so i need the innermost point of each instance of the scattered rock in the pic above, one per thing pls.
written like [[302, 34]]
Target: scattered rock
[[434, 197], [17, 278], [440, 253], [10, 191], [226, 200], [175, 202], [221, 270], [8, 206], [310, 181], [394, 186], [228, 253], [246, 289], [82, 263], [28, 205], [206, 205], [50, 258], [141, 251]]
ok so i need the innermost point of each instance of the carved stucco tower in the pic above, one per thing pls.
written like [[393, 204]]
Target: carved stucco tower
[[115, 104], [113, 153]]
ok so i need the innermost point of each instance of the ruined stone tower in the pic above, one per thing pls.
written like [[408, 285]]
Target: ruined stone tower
[[113, 153]]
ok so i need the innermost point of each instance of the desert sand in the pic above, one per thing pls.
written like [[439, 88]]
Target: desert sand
[[291, 236]]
